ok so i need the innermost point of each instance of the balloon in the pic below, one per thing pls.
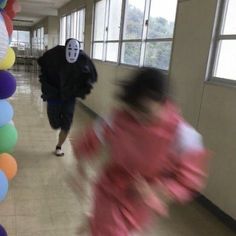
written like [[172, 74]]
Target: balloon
[[8, 84], [8, 23], [8, 61], [10, 8], [6, 111], [8, 138], [8, 165], [3, 3], [3, 38], [3, 185], [2, 231]]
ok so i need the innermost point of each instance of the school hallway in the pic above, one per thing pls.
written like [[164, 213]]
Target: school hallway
[[39, 201]]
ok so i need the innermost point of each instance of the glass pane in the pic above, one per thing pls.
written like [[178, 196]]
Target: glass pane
[[225, 67], [114, 19], [68, 23], [42, 38], [158, 55], [162, 18], [134, 14], [63, 30], [131, 53], [98, 51], [82, 46], [73, 24], [229, 26], [99, 24], [112, 52], [81, 17], [14, 36], [42, 33], [13, 39], [24, 36]]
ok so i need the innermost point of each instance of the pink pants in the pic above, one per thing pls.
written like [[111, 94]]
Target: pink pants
[[111, 219]]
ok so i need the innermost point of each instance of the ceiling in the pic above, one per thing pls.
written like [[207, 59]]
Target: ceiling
[[33, 11]]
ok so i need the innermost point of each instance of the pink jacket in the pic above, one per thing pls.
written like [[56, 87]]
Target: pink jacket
[[167, 152]]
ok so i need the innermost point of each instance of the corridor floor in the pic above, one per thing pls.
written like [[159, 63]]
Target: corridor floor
[[39, 202]]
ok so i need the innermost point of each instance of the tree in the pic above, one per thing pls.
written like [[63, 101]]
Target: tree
[[157, 53]]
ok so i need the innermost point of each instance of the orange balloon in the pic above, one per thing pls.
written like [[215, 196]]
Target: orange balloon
[[8, 165]]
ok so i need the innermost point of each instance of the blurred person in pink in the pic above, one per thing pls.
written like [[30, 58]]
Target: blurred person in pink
[[155, 157]]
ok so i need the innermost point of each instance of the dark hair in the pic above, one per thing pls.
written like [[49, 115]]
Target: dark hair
[[67, 41], [146, 83]]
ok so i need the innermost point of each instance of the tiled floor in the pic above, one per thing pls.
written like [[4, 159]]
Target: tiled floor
[[39, 202]]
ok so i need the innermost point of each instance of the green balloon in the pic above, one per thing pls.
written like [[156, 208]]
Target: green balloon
[[8, 138], [3, 4]]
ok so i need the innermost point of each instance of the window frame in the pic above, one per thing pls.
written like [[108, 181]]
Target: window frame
[[143, 40], [73, 14], [218, 37], [105, 40]]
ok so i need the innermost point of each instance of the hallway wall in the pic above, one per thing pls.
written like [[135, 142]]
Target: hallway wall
[[208, 106], [51, 28]]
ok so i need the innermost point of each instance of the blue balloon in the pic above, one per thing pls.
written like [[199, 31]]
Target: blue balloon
[[3, 232], [3, 186], [6, 112]]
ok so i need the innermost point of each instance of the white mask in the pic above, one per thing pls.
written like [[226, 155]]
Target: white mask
[[72, 51]]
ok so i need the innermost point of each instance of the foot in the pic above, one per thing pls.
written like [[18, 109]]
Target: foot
[[58, 152]]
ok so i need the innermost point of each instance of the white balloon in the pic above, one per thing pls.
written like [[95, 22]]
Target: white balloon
[[4, 39]]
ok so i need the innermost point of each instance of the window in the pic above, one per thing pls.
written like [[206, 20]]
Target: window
[[72, 26], [38, 41], [147, 35], [107, 30], [63, 30], [222, 66], [20, 39]]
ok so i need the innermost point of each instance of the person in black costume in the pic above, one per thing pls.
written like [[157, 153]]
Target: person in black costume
[[66, 73]]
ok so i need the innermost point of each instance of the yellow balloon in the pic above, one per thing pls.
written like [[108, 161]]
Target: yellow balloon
[[8, 61]]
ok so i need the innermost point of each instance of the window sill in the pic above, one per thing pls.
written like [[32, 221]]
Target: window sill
[[221, 82]]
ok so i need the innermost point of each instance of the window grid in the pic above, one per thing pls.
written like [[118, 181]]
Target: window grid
[[73, 26], [106, 41], [219, 37], [38, 40], [17, 40], [123, 40]]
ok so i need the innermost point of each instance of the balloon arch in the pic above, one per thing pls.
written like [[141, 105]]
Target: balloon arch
[[8, 132]]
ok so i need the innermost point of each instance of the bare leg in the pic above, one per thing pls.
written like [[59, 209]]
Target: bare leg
[[61, 139]]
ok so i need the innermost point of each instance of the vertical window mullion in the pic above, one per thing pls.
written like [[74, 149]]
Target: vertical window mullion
[[145, 30], [78, 24], [221, 14], [71, 23], [107, 14], [123, 9], [217, 55], [83, 30]]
